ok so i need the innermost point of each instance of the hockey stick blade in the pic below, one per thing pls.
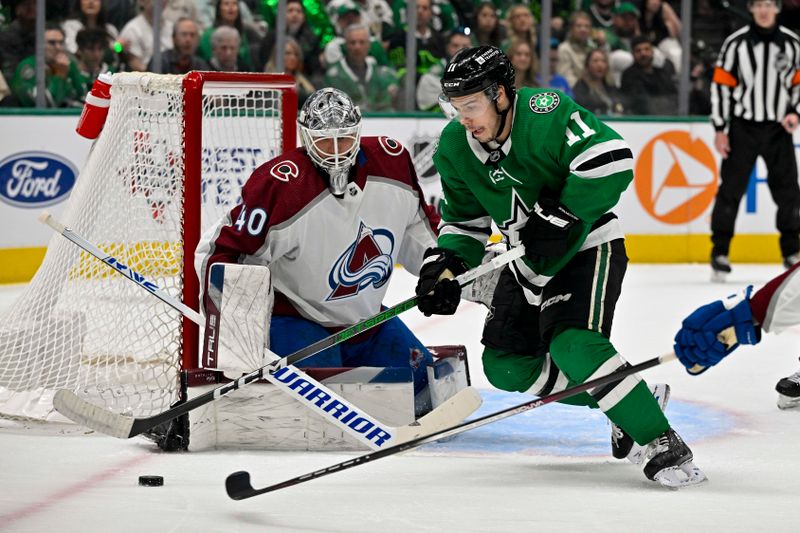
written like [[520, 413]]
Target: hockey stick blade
[[239, 487], [123, 426], [455, 409]]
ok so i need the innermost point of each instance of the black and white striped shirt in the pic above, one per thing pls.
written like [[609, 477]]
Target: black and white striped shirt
[[757, 76]]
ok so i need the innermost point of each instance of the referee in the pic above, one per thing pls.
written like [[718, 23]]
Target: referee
[[755, 93]]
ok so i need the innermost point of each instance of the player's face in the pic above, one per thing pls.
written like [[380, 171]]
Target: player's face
[[765, 12], [332, 145], [477, 114]]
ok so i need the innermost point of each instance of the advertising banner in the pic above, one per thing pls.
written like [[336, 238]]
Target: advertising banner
[[676, 175]]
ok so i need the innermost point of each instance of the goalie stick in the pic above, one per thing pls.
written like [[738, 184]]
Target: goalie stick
[[239, 487], [121, 426]]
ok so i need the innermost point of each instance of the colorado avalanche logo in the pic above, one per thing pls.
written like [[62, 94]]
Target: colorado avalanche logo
[[368, 261], [285, 170], [390, 146]]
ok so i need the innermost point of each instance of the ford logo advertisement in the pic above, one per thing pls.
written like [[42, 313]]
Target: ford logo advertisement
[[35, 179]]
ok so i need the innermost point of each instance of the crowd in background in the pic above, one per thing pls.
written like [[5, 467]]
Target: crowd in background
[[614, 57]]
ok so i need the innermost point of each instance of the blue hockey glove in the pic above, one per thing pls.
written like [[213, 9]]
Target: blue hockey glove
[[437, 292], [698, 344], [546, 234]]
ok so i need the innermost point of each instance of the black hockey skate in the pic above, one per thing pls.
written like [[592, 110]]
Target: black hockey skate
[[670, 462], [720, 268], [172, 436], [789, 391], [622, 445]]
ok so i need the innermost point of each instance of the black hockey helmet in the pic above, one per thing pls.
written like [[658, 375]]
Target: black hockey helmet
[[477, 69]]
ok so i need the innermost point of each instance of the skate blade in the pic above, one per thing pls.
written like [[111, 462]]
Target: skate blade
[[638, 452], [788, 402], [678, 477], [719, 276]]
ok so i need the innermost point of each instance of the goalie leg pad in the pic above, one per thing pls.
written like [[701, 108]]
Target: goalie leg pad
[[238, 305]]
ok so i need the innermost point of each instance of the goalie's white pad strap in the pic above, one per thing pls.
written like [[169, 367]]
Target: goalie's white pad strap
[[239, 307]]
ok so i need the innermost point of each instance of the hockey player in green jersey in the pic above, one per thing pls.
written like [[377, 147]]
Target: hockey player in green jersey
[[548, 173]]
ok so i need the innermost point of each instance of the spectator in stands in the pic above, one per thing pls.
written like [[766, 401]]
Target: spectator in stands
[[61, 74], [445, 16], [372, 87], [556, 81], [17, 40], [350, 15], [178, 9], [7, 99], [593, 91], [86, 14], [486, 28], [572, 52], [601, 12], [429, 86], [183, 56], [376, 14], [650, 90], [521, 26], [225, 46], [228, 14], [89, 58], [206, 10], [136, 37], [661, 25], [625, 26], [293, 64], [525, 68], [120, 12], [430, 43], [297, 28]]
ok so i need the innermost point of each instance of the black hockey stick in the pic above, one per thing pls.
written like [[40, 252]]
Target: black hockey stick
[[239, 487], [122, 426]]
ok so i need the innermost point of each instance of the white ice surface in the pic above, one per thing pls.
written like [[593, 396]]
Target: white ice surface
[[77, 482]]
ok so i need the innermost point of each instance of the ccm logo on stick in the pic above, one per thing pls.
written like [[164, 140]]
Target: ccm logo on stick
[[337, 409]]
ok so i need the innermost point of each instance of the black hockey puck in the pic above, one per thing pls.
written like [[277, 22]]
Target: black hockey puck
[[151, 481]]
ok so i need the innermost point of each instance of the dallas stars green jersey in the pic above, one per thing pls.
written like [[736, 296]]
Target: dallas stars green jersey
[[554, 144]]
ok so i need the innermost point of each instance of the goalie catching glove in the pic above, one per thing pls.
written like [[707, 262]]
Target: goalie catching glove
[[437, 292], [701, 343], [546, 234]]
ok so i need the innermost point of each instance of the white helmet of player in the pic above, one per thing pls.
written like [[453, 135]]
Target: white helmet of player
[[330, 130]]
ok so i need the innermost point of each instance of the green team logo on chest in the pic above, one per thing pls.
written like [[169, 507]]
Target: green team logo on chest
[[544, 103]]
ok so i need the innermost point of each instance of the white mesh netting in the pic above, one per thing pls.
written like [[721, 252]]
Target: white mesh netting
[[83, 327]]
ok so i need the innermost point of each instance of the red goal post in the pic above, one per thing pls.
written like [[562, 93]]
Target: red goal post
[[193, 84], [170, 161]]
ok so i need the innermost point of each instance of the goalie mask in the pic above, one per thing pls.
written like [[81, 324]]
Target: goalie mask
[[330, 130]]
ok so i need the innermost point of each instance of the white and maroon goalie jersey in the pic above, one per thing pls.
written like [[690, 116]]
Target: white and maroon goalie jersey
[[330, 258]]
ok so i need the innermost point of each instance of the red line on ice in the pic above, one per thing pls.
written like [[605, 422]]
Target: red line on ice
[[70, 491]]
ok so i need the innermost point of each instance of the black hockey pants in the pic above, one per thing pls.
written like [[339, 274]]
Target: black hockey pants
[[748, 140]]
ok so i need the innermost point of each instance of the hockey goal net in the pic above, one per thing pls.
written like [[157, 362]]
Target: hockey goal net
[[169, 162]]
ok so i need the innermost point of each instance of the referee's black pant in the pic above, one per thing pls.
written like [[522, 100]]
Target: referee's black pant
[[748, 140]]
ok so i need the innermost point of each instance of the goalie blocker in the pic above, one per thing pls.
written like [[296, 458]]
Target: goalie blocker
[[239, 304]]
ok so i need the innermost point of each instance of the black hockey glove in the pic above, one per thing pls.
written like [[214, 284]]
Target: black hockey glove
[[546, 232], [437, 292]]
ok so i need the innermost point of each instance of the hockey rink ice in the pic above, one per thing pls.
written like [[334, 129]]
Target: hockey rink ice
[[547, 470]]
